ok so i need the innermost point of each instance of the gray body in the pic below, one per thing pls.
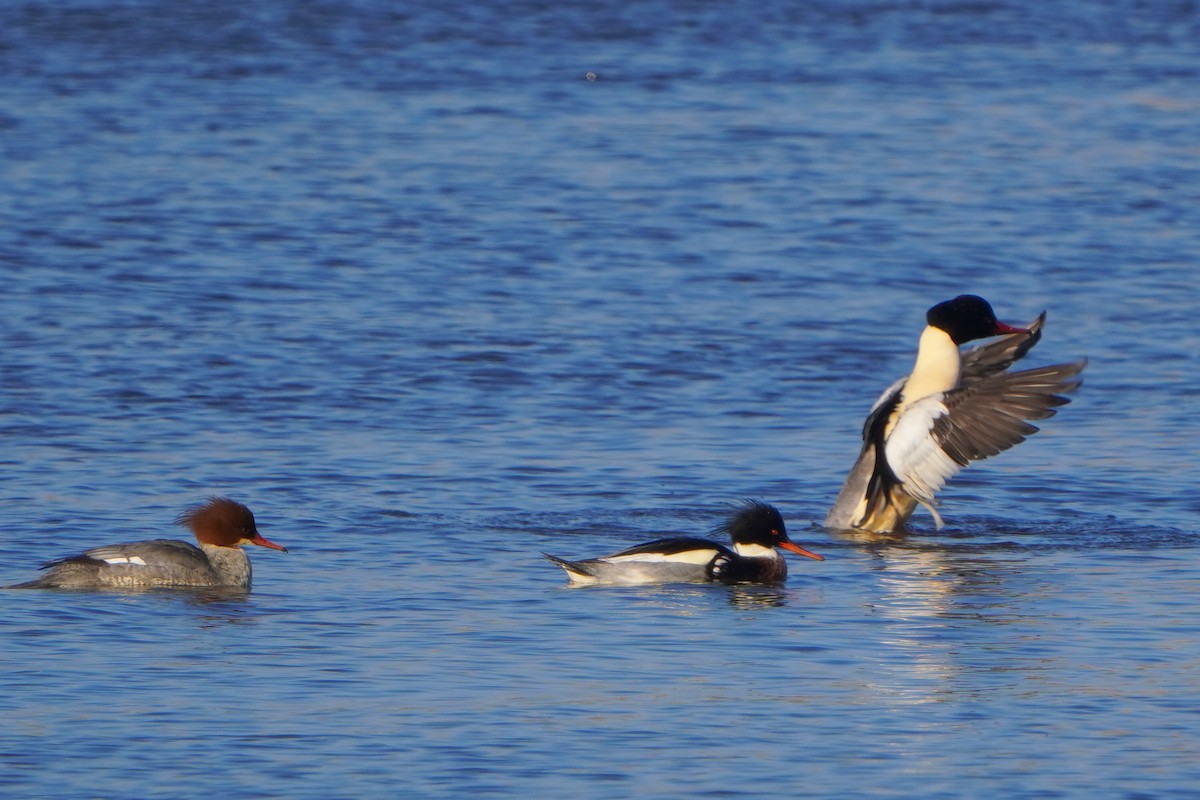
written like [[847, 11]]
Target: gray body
[[148, 564]]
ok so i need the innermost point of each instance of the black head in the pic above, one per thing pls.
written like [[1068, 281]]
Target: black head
[[968, 317], [757, 523]]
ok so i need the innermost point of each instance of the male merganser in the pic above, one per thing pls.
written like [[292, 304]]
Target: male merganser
[[756, 530], [221, 526], [953, 409]]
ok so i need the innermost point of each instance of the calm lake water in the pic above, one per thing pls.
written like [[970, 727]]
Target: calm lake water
[[431, 300]]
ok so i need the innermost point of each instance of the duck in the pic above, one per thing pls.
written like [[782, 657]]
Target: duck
[[954, 408], [755, 528], [221, 526]]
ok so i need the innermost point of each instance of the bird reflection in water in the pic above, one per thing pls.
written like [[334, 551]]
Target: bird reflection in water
[[757, 596]]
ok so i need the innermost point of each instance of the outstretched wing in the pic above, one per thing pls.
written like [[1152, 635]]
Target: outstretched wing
[[996, 356], [940, 434]]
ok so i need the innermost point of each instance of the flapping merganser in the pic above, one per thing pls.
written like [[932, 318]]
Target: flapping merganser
[[221, 526], [953, 409], [756, 529]]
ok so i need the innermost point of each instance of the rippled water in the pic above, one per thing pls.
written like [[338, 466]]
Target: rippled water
[[431, 301]]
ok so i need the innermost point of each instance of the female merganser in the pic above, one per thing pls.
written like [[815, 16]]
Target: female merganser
[[953, 409], [756, 530], [221, 526]]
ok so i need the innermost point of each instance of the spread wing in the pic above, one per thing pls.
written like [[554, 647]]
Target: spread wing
[[882, 409], [870, 477], [940, 434], [988, 359]]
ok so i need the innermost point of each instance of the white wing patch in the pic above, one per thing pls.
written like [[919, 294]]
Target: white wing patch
[[125, 560], [685, 557], [915, 455]]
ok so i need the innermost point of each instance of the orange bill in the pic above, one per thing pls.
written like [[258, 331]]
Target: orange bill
[[262, 541], [798, 550]]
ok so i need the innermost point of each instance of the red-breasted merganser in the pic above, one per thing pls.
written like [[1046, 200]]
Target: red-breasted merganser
[[953, 409], [755, 528], [221, 526]]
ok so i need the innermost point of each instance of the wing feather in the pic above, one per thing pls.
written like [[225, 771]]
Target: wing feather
[[989, 415], [939, 435], [997, 356], [683, 549], [883, 408], [138, 554], [917, 458], [934, 437]]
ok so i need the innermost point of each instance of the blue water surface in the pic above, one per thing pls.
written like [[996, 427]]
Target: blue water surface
[[434, 288]]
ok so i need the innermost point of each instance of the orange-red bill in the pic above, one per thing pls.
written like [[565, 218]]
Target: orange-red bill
[[262, 541], [798, 550]]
